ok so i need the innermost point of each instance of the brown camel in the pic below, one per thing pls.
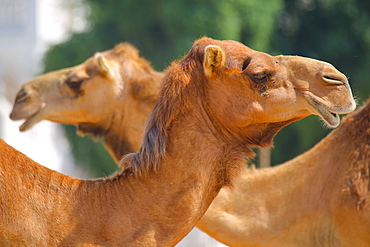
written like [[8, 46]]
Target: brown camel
[[221, 99], [79, 96], [320, 198]]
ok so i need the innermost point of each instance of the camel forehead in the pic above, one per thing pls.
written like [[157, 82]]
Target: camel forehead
[[121, 52], [236, 51], [231, 47]]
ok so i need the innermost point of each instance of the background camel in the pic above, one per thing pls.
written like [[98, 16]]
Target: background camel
[[191, 148], [320, 198], [79, 96]]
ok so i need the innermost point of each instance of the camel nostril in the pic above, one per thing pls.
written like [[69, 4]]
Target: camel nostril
[[334, 79], [21, 96]]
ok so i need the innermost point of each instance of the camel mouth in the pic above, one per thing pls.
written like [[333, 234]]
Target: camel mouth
[[31, 120], [331, 118]]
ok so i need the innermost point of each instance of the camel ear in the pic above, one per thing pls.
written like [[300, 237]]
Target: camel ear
[[103, 66], [214, 58]]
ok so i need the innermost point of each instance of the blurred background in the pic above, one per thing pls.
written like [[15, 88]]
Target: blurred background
[[45, 35]]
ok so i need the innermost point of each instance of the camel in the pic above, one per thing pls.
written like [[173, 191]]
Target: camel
[[221, 99], [79, 96], [320, 198]]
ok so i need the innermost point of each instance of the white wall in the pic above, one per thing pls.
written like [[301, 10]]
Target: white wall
[[19, 61]]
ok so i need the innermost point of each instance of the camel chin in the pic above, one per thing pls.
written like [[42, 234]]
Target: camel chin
[[32, 120], [331, 118]]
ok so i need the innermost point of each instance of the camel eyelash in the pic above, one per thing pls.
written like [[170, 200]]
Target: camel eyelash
[[74, 84], [259, 77]]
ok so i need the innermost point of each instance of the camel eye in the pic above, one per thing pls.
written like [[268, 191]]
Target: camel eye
[[259, 78], [74, 84]]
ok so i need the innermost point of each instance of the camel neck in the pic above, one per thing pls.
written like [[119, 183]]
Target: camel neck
[[280, 201], [289, 199], [195, 178], [116, 138], [122, 126], [123, 132]]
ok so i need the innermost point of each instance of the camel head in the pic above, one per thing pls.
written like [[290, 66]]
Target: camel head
[[252, 87], [90, 93], [250, 95]]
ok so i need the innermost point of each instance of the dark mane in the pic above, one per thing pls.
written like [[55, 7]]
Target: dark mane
[[95, 130], [117, 144], [175, 98], [357, 129]]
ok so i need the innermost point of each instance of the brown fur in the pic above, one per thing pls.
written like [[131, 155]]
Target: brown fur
[[320, 198], [196, 140], [358, 179]]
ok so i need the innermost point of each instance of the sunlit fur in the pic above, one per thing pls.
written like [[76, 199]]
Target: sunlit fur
[[320, 198]]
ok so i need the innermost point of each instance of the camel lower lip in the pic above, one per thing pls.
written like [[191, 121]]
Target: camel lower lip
[[330, 118], [31, 121], [27, 124]]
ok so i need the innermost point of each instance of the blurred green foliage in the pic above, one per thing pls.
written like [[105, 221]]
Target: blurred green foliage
[[336, 31]]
